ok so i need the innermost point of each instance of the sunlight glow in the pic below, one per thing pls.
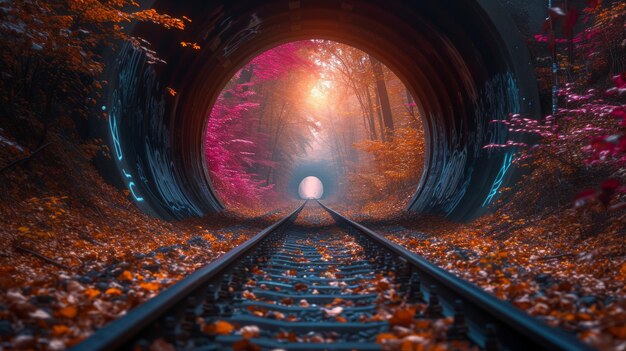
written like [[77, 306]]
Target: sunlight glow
[[311, 188], [319, 93], [316, 93]]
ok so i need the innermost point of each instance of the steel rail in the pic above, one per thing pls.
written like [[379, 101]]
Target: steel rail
[[117, 333], [515, 329]]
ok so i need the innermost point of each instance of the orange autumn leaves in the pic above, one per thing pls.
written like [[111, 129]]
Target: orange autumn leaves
[[125, 276], [48, 223], [403, 317], [128, 277], [578, 289], [68, 312], [194, 46], [410, 330], [397, 165], [221, 327], [546, 265], [92, 293]]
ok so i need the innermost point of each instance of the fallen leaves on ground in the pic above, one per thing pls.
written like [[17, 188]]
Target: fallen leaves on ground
[[117, 256], [576, 284]]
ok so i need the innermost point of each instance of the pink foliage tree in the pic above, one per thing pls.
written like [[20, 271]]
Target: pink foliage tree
[[232, 147], [589, 128], [590, 132], [228, 152]]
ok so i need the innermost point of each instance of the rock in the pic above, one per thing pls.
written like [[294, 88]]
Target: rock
[[92, 274], [152, 267], [84, 279], [588, 300], [44, 299], [102, 286], [116, 272], [6, 328], [165, 249], [544, 279], [197, 241]]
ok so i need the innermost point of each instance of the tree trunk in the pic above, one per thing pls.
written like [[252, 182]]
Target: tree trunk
[[279, 128], [383, 96], [372, 122], [409, 101], [411, 109], [380, 117]]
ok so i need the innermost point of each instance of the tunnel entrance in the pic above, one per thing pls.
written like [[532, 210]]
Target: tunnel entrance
[[319, 103], [463, 61]]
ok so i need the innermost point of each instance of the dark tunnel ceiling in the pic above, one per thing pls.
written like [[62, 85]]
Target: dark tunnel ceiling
[[464, 61]]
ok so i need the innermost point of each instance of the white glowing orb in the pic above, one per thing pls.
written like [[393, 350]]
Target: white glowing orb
[[311, 188]]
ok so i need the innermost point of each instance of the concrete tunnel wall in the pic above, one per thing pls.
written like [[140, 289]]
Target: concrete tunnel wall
[[464, 61]]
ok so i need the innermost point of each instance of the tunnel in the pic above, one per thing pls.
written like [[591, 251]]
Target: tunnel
[[465, 62], [322, 170]]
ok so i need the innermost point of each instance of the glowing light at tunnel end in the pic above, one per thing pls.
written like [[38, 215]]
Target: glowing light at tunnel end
[[311, 188]]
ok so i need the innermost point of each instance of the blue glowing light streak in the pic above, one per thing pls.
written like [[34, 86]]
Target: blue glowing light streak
[[115, 136], [131, 185], [118, 152], [506, 164]]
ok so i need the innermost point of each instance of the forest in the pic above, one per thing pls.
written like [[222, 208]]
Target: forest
[[314, 101], [89, 234]]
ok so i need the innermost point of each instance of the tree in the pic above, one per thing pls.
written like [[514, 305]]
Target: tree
[[583, 145], [310, 99], [53, 62], [383, 96], [254, 129]]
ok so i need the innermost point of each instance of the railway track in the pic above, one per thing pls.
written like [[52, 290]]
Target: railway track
[[305, 285]]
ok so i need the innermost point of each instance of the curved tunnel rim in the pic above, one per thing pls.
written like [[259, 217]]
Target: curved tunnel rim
[[273, 46], [332, 35]]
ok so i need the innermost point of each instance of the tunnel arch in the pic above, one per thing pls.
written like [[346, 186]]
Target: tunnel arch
[[464, 62]]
